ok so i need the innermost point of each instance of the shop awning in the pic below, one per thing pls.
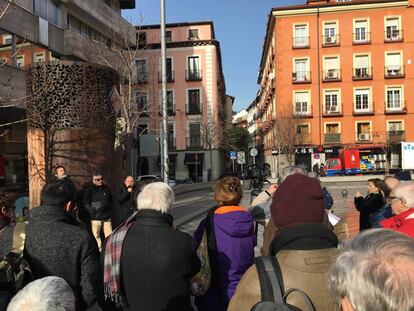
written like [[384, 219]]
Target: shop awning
[[171, 159], [193, 158]]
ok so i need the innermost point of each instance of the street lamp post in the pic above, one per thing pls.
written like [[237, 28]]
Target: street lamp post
[[164, 142]]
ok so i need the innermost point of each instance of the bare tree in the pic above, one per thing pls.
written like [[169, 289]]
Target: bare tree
[[285, 127], [212, 136]]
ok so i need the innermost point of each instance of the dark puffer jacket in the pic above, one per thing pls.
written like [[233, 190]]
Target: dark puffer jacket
[[98, 202], [56, 246], [367, 208], [157, 263]]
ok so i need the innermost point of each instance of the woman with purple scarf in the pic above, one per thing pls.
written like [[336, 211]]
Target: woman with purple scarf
[[231, 240]]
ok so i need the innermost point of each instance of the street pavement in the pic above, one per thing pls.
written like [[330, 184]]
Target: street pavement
[[191, 207]]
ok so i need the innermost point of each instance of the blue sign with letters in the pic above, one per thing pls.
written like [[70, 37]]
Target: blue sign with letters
[[233, 155]]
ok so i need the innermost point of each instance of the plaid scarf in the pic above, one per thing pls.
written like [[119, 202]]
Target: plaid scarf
[[112, 261]]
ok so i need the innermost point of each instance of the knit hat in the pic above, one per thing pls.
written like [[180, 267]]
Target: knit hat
[[403, 175], [298, 199]]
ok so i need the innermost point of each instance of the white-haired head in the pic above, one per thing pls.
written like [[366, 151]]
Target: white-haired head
[[47, 294], [405, 190], [375, 271], [157, 196], [290, 170]]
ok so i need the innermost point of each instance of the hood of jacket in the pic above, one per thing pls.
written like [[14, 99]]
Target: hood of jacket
[[234, 221], [46, 213]]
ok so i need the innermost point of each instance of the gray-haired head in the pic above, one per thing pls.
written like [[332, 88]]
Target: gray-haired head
[[47, 294], [375, 271], [157, 196], [405, 190], [290, 170]]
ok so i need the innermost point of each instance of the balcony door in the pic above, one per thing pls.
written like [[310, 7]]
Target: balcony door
[[301, 69]]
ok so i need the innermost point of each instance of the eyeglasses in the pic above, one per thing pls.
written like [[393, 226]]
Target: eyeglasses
[[98, 179], [393, 199]]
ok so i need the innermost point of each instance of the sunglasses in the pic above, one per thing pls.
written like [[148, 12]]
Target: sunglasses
[[98, 179]]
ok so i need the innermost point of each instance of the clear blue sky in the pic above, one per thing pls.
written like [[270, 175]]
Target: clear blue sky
[[239, 25]]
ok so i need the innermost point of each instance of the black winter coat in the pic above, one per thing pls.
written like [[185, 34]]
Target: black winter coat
[[56, 246], [366, 207], [98, 202], [125, 208], [157, 264]]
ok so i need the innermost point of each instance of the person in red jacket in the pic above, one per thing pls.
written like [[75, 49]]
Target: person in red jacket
[[402, 205]]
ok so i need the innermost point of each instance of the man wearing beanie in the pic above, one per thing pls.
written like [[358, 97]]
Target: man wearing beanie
[[303, 246]]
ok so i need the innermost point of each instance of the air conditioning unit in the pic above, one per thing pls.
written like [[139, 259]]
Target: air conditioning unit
[[330, 39], [364, 136], [333, 109], [332, 73]]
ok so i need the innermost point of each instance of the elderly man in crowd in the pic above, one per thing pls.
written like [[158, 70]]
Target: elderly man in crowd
[[47, 294], [402, 205], [147, 261], [374, 272]]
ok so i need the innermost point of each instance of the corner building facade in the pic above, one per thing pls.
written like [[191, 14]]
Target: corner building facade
[[344, 71], [196, 99]]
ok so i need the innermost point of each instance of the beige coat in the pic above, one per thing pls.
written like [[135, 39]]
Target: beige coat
[[303, 269]]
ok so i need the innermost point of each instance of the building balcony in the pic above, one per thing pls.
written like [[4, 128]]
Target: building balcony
[[142, 78], [394, 72], [367, 110], [333, 110], [364, 137], [395, 136], [303, 139], [333, 138], [362, 73], [300, 43], [170, 77], [171, 142], [194, 108], [361, 38], [393, 35], [194, 142], [193, 75], [396, 107], [303, 113], [328, 41], [301, 77], [170, 109], [331, 75]]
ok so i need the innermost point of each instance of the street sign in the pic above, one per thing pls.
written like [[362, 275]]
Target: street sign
[[253, 152], [241, 157], [233, 155]]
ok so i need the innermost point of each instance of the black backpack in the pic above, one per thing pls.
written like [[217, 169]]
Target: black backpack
[[15, 271], [272, 288]]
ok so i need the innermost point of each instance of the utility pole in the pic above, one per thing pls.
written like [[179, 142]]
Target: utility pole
[[164, 130]]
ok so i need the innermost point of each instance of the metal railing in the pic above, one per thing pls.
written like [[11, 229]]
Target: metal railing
[[193, 75], [194, 108], [361, 38], [395, 136], [394, 71], [301, 77], [300, 42], [333, 138], [330, 40], [331, 75], [194, 142], [170, 76], [303, 139], [393, 35], [362, 73]]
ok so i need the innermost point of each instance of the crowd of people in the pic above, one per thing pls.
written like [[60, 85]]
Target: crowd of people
[[81, 257]]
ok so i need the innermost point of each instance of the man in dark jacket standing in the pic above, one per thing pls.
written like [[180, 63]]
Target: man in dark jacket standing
[[157, 261], [97, 200], [126, 204], [60, 175], [56, 246]]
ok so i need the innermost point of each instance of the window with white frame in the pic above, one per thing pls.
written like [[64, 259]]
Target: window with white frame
[[194, 135], [193, 67], [194, 105], [168, 36], [394, 98], [20, 61], [38, 58], [395, 126], [7, 39], [362, 100], [392, 28], [301, 72], [141, 99], [302, 129], [393, 63], [332, 101], [302, 103], [142, 70], [331, 67], [361, 30], [361, 66], [330, 33], [170, 102], [301, 36]]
